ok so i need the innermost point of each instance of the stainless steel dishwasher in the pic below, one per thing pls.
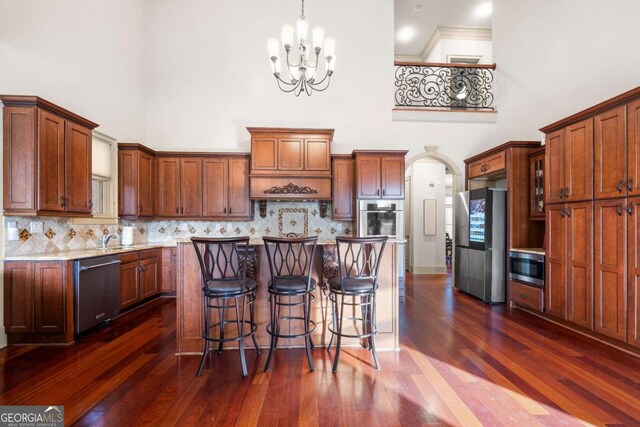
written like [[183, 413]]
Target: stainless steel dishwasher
[[97, 291]]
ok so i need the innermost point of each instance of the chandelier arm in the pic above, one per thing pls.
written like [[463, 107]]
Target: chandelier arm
[[317, 87], [289, 64], [291, 87], [326, 75]]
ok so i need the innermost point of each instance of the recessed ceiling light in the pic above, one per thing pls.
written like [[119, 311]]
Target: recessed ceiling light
[[418, 6], [484, 9], [406, 33]]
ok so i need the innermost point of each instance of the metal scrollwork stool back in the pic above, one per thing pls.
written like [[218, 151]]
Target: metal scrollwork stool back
[[291, 286], [355, 286], [226, 286]]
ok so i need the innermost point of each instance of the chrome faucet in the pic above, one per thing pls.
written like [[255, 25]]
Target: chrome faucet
[[106, 238]]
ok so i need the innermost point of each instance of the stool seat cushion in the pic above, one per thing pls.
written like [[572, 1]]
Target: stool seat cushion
[[291, 284], [352, 284], [229, 286]]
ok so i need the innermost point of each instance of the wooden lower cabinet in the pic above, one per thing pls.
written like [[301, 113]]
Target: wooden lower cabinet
[[38, 301], [129, 285], [633, 271], [569, 285], [149, 275], [610, 262], [168, 270], [139, 276], [530, 296]]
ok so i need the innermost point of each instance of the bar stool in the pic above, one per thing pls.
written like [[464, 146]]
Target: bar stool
[[223, 267], [291, 285], [355, 286]]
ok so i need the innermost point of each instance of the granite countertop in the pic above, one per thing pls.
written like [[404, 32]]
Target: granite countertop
[[118, 249]]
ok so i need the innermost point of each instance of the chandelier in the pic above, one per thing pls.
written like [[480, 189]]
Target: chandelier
[[303, 74]]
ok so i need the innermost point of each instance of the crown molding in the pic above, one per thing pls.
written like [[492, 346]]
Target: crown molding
[[460, 33]]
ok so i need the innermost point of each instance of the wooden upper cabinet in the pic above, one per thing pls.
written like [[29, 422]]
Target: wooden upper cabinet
[[578, 161], [554, 167], [146, 184], [343, 201], [492, 164], [368, 178], [238, 193], [579, 222], [610, 162], [215, 187], [78, 182], [47, 158], [317, 156], [633, 271], [291, 154], [537, 179], [127, 183], [264, 154], [392, 177], [52, 160], [633, 148], [169, 186], [191, 187], [556, 262], [380, 175], [610, 292]]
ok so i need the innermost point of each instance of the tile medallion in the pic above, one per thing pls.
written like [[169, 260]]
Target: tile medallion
[[293, 221]]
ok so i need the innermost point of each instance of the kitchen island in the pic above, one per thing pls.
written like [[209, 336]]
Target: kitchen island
[[190, 312]]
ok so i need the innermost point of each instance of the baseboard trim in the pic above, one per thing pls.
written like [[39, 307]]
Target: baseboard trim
[[3, 337], [428, 270]]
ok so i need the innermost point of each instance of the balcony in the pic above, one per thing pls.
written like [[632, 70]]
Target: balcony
[[444, 88]]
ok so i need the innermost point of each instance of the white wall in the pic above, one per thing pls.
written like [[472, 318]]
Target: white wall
[[84, 55], [427, 182], [553, 61], [210, 77]]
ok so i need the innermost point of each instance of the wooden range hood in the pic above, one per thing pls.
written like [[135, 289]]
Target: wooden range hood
[[290, 164]]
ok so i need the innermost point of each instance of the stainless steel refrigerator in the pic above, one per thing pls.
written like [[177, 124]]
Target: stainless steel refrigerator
[[480, 243]]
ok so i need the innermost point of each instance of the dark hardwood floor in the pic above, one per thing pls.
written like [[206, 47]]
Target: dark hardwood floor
[[462, 363]]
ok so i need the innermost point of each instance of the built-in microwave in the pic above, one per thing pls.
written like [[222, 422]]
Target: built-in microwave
[[527, 266], [381, 218]]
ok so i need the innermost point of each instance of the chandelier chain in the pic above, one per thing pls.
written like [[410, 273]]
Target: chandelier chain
[[302, 14]]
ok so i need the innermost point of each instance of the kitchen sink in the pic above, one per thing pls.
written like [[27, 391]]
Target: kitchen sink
[[115, 248]]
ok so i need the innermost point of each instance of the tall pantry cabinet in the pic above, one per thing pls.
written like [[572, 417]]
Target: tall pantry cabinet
[[593, 223]]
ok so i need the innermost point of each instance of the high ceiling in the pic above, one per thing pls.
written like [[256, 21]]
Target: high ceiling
[[414, 25]]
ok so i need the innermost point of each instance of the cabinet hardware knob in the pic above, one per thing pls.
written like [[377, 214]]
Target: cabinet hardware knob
[[630, 184], [568, 211], [182, 210], [562, 212], [566, 192], [560, 193], [335, 211], [619, 209], [141, 209], [229, 210], [378, 192], [619, 186], [384, 192], [630, 209], [224, 211], [177, 210], [61, 200]]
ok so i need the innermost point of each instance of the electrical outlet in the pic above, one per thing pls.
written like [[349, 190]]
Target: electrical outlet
[[12, 231], [36, 227]]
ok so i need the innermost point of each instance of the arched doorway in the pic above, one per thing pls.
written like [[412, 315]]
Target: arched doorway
[[431, 181]]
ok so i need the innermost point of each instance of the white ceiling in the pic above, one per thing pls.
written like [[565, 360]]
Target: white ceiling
[[434, 13]]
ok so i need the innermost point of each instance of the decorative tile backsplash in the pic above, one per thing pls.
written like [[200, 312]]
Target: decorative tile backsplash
[[283, 218]]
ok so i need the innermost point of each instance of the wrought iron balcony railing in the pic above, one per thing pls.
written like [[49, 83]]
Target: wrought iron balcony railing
[[444, 86]]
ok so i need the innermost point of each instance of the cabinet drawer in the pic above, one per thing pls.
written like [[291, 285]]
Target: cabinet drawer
[[526, 295], [129, 257], [495, 163], [150, 253], [476, 169]]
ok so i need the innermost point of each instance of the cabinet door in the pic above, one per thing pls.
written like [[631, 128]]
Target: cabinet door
[[554, 167], [168, 270], [51, 162], [191, 187], [578, 159], [78, 169], [129, 289], [169, 187], [556, 262], [149, 284], [214, 187], [610, 154], [291, 154], [610, 260], [18, 297], [19, 158], [146, 181], [475, 169], [317, 156], [633, 267], [127, 183], [343, 194], [536, 175], [392, 177], [264, 154], [633, 148], [368, 177], [49, 298], [579, 219], [239, 202]]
